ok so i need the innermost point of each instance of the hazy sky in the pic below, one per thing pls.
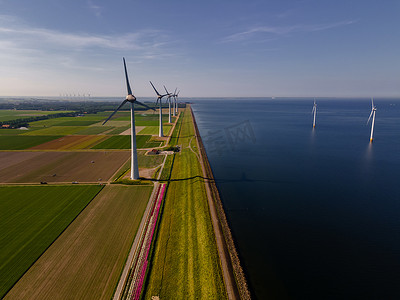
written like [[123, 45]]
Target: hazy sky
[[205, 48]]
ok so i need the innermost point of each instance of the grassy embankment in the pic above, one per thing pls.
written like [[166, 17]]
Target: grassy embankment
[[31, 218], [185, 262]]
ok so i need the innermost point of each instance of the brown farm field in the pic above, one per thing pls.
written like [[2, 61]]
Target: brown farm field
[[89, 166], [71, 142], [85, 262]]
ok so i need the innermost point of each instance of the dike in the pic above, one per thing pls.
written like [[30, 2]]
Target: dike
[[234, 277]]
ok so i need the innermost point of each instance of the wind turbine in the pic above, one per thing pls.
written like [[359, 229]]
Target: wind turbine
[[373, 110], [314, 111], [174, 107], [132, 99], [169, 105], [176, 103], [159, 97]]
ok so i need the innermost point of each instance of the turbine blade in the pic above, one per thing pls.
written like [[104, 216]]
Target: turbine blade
[[158, 94], [128, 87], [372, 102], [370, 116], [175, 91], [142, 104], [123, 102], [166, 89]]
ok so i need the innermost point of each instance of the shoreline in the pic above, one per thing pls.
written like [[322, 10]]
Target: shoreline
[[234, 276]]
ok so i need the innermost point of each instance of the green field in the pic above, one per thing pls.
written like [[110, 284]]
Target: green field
[[20, 142], [15, 131], [185, 264], [7, 115], [31, 218], [92, 130], [153, 130], [77, 122], [124, 142], [145, 119], [57, 130], [118, 130], [86, 261]]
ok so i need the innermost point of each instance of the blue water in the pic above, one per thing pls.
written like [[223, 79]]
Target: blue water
[[315, 213]]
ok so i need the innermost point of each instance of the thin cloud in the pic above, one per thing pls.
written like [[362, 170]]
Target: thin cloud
[[96, 9], [283, 30]]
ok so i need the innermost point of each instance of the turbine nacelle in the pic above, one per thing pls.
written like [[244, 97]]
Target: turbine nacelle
[[130, 98]]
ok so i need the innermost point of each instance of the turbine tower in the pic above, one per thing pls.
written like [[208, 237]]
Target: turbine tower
[[314, 111], [373, 110], [132, 99], [176, 102], [174, 107], [159, 97], [169, 105]]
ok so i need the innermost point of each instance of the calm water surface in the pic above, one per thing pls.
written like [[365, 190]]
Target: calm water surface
[[315, 213]]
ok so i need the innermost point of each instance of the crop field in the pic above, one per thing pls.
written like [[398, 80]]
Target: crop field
[[118, 130], [93, 130], [185, 264], [20, 142], [153, 130], [56, 130], [71, 142], [88, 166], [85, 262], [124, 142], [31, 218], [7, 115], [114, 123], [15, 131]]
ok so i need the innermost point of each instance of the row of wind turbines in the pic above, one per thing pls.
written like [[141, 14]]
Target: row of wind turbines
[[132, 100], [372, 114]]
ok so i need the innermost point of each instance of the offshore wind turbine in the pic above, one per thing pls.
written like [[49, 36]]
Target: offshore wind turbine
[[159, 97], [314, 111], [132, 99], [373, 110]]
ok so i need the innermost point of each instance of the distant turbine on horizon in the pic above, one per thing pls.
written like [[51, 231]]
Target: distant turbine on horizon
[[373, 110], [132, 99], [314, 111], [159, 97]]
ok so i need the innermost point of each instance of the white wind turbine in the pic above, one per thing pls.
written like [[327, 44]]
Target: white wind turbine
[[132, 99], [169, 105], [373, 110], [176, 103], [314, 111], [159, 97]]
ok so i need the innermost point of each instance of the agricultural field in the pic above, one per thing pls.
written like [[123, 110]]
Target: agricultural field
[[185, 263], [85, 262], [20, 142], [153, 130], [7, 115], [71, 142], [124, 142], [88, 166], [31, 218], [93, 130], [56, 130]]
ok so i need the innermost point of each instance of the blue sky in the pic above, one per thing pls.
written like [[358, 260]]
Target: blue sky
[[205, 48]]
